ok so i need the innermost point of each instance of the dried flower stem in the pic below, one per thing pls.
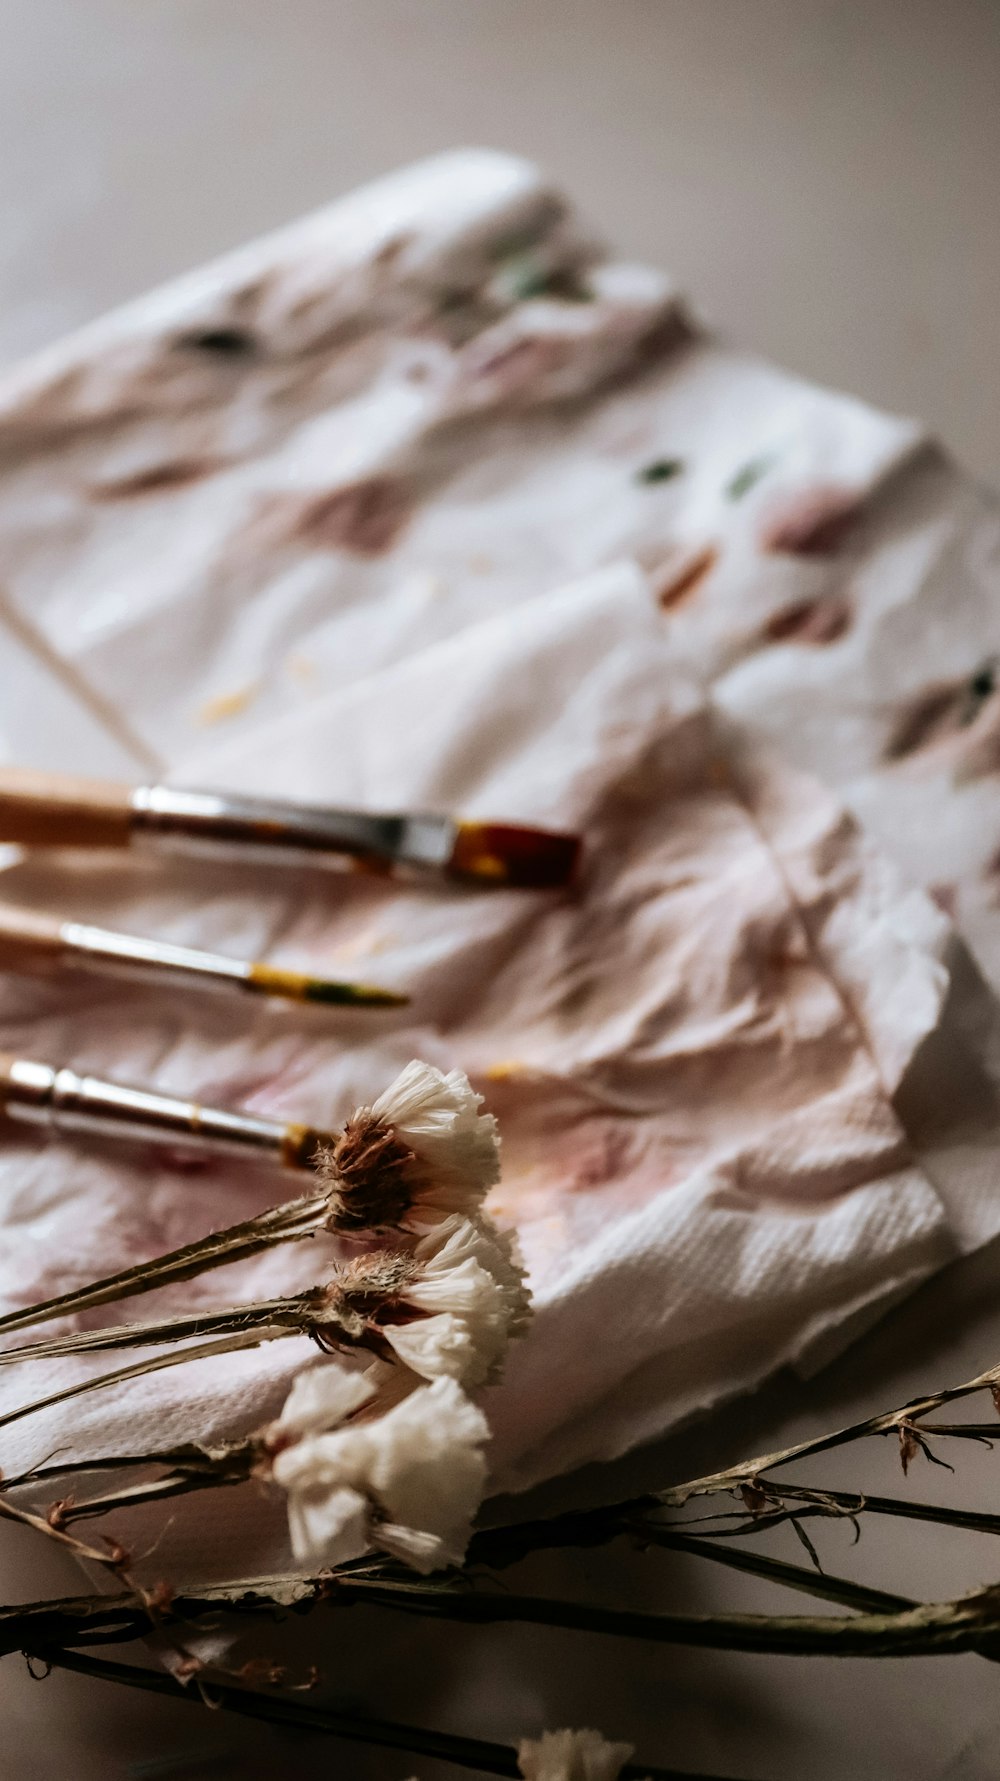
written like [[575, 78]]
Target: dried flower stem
[[295, 1315], [467, 1753], [422, 1149], [831, 1502], [287, 1223], [154, 1364], [889, 1422], [923, 1630]]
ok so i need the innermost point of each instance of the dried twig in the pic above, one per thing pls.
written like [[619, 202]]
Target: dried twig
[[467, 1753]]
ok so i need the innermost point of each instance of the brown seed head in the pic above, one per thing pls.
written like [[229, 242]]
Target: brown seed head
[[362, 1292], [369, 1175]]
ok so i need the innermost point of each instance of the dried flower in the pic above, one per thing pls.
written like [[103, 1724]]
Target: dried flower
[[422, 1152], [408, 1482], [423, 1148], [571, 1756], [470, 1296], [320, 1399]]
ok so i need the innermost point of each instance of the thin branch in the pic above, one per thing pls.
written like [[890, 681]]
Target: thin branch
[[749, 1470], [931, 1629], [385, 1734], [776, 1570], [988, 1432], [858, 1503], [156, 1490], [286, 1223], [496, 1548], [928, 1629], [191, 1453], [41, 1525], [155, 1364], [296, 1315]]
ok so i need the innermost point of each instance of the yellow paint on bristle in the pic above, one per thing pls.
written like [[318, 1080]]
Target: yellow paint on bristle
[[488, 865], [302, 1146], [226, 705], [479, 862], [297, 986], [271, 981]]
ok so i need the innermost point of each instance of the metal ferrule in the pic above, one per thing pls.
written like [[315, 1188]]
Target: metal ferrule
[[62, 1101], [125, 955], [269, 830]]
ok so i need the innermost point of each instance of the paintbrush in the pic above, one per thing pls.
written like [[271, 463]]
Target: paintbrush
[[40, 944], [60, 1100], [53, 810]]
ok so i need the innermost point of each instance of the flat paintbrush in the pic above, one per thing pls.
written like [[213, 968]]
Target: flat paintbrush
[[60, 1100], [42, 944], [53, 810]]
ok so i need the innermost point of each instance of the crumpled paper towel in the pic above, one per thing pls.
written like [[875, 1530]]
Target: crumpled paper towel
[[691, 1054], [321, 500]]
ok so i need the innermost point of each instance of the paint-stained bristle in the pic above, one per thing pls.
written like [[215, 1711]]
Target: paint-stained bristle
[[503, 854], [298, 986]]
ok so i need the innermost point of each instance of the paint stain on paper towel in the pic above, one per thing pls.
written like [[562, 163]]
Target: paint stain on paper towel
[[676, 587], [811, 523], [364, 518], [224, 706], [942, 711], [810, 621], [156, 479]]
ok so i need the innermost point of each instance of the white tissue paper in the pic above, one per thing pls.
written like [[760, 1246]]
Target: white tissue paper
[[425, 502]]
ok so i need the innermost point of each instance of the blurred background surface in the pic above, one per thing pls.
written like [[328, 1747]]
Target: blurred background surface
[[820, 175]]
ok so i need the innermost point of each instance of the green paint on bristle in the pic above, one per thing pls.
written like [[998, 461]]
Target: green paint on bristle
[[345, 995], [296, 986]]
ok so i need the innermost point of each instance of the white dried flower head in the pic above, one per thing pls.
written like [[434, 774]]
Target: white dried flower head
[[408, 1482], [422, 1150], [457, 1147], [322, 1398], [472, 1293], [571, 1756]]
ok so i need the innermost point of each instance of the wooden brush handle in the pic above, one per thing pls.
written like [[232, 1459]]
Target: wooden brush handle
[[28, 939], [56, 810]]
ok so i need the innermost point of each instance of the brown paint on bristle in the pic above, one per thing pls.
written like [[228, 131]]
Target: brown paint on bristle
[[370, 1176], [507, 855], [303, 1147]]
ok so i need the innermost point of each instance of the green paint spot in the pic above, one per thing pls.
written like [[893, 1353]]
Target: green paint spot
[[979, 688], [749, 475], [513, 245], [660, 470], [527, 275]]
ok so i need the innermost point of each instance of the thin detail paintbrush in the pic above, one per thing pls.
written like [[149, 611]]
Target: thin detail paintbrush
[[54, 810], [40, 944], [60, 1100]]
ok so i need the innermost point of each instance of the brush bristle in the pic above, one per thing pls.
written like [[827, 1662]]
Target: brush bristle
[[297, 986], [507, 855]]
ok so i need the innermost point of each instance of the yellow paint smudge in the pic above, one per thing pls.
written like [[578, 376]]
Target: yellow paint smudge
[[302, 668], [228, 705], [361, 945], [505, 1070]]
